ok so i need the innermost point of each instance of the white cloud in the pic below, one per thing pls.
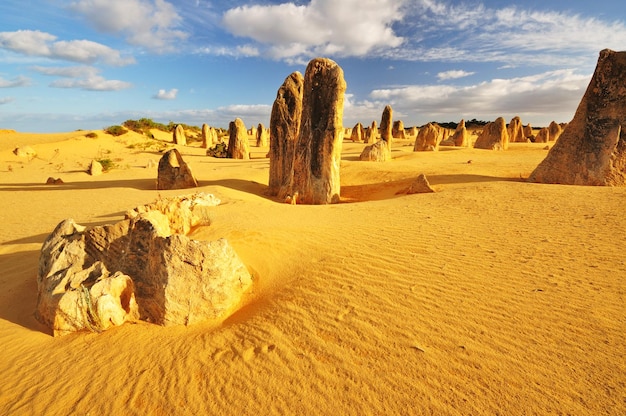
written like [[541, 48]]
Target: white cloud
[[81, 77], [6, 100], [166, 95], [19, 81], [236, 52], [322, 27], [41, 44], [152, 24], [454, 74]]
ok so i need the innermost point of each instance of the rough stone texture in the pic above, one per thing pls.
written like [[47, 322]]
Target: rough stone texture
[[516, 131], [397, 131], [528, 131], [555, 131], [460, 137], [284, 131], [318, 150], [592, 148], [238, 146], [428, 138], [371, 136], [54, 181], [358, 133], [262, 136], [179, 136], [420, 186], [377, 152], [386, 125], [95, 168], [207, 137], [25, 151], [494, 136], [174, 173], [104, 276], [413, 132], [543, 136]]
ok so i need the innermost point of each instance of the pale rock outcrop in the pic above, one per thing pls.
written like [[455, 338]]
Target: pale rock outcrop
[[174, 173], [95, 168], [592, 148], [516, 131], [397, 131], [238, 146], [207, 137], [318, 150], [25, 152], [377, 152], [386, 125], [358, 134], [371, 136], [137, 268], [528, 132], [555, 131], [262, 136], [460, 137], [413, 132], [420, 186], [428, 138], [179, 136], [284, 130], [494, 136], [543, 135]]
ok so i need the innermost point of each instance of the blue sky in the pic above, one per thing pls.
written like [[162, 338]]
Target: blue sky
[[87, 64]]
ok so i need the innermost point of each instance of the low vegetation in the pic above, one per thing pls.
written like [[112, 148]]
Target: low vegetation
[[115, 130]]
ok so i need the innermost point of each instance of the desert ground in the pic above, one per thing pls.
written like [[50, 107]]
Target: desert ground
[[491, 296]]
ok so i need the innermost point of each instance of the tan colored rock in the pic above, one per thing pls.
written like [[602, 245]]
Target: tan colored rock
[[397, 131], [413, 131], [25, 152], [428, 138], [592, 148], [377, 152], [238, 146], [284, 130], [386, 125], [262, 136], [494, 136], [555, 131], [179, 136], [460, 137], [420, 186], [358, 133], [543, 135], [516, 131], [207, 138], [174, 173], [54, 181], [95, 168], [371, 136], [318, 150], [528, 131]]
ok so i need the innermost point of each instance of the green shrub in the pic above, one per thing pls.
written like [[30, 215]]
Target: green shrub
[[219, 150], [115, 130], [107, 164], [91, 135]]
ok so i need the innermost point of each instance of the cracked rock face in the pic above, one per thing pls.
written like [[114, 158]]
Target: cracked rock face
[[140, 268], [592, 148]]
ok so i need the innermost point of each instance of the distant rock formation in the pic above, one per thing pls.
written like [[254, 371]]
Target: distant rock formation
[[238, 146], [377, 152], [428, 138], [555, 131], [284, 130], [516, 131], [460, 137], [207, 137], [174, 173], [386, 125], [494, 136], [358, 134], [179, 136], [25, 152], [371, 135], [318, 150], [528, 132], [262, 136], [397, 132], [139, 268], [592, 148], [412, 132], [543, 135]]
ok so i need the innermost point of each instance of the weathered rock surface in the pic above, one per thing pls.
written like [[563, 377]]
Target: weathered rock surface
[[428, 138], [238, 146], [207, 137], [371, 136], [555, 131], [358, 133], [54, 181], [592, 148], [137, 269], [397, 131], [516, 131], [420, 186], [460, 137], [262, 136], [318, 150], [25, 151], [284, 130], [95, 168], [179, 136], [543, 135], [528, 132], [377, 152], [174, 173], [494, 136], [386, 125]]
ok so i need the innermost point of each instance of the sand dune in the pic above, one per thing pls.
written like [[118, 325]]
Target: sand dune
[[490, 296]]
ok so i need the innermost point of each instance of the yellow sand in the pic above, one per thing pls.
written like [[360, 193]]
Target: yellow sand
[[491, 296]]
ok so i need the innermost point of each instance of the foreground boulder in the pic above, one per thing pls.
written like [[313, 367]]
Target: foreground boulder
[[494, 136], [284, 130], [377, 152], [174, 173], [428, 138], [318, 150], [138, 268], [592, 148]]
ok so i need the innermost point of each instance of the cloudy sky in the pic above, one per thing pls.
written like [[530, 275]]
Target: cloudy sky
[[87, 64]]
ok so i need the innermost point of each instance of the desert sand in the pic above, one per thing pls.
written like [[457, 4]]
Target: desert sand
[[490, 296]]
